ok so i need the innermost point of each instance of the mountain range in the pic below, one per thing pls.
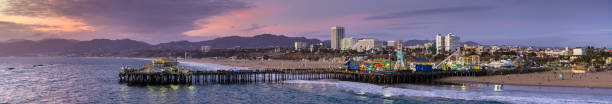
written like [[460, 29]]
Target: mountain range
[[100, 47], [258, 41]]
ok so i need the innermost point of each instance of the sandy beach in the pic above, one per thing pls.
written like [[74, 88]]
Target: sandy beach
[[272, 64], [588, 80]]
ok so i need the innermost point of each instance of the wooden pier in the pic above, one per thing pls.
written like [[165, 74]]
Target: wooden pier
[[257, 76]]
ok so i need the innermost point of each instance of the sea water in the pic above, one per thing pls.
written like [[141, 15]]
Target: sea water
[[95, 80]]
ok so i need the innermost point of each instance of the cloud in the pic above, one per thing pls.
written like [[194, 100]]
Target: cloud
[[13, 31], [412, 23], [8, 26], [376, 35], [309, 33], [49, 24], [412, 13], [144, 17], [254, 27], [405, 27], [409, 26], [313, 34]]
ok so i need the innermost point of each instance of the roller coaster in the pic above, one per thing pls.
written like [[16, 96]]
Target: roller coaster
[[460, 62]]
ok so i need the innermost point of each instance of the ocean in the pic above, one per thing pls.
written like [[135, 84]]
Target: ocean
[[95, 80]]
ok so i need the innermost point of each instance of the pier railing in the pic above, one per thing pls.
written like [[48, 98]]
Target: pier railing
[[256, 76]]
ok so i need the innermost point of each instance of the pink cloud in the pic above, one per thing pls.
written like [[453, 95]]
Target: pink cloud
[[232, 23], [243, 14], [252, 22]]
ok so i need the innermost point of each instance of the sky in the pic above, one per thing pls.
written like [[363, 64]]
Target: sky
[[491, 22]]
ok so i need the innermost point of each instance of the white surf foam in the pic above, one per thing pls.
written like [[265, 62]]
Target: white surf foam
[[431, 91], [310, 82]]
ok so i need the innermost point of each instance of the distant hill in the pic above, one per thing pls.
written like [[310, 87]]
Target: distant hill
[[258, 41], [177, 45], [415, 42], [470, 43], [104, 46], [35, 48], [421, 42]]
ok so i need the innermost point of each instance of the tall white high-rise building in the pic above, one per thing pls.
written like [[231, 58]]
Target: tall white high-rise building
[[337, 33], [447, 43], [451, 42], [347, 43], [440, 43]]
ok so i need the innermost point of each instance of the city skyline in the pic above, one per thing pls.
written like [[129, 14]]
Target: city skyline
[[510, 22]]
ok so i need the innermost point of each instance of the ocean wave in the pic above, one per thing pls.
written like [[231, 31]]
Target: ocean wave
[[432, 91], [310, 82], [530, 99]]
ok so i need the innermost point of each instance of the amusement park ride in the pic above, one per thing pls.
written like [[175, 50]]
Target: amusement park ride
[[455, 61], [460, 63]]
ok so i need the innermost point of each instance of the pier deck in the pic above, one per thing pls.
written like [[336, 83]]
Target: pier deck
[[255, 76]]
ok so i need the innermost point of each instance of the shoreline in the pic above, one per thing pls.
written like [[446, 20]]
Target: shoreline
[[550, 79], [474, 82]]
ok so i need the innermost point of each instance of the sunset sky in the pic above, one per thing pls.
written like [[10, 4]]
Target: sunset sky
[[512, 22]]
